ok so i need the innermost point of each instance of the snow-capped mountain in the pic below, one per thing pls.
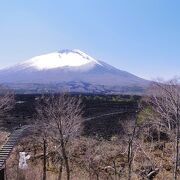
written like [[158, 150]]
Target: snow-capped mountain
[[70, 69]]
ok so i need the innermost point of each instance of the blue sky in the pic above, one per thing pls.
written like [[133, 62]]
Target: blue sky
[[139, 36]]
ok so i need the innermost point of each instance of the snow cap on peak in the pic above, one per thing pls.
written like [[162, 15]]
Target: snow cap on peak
[[63, 58]]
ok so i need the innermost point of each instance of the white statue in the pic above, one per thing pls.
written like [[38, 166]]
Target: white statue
[[22, 160]]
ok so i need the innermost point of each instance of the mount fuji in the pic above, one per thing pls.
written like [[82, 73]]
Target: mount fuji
[[71, 70]]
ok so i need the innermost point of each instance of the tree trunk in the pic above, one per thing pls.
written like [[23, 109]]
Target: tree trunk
[[44, 158], [60, 171], [115, 170], [130, 152], [66, 160], [177, 145], [129, 159], [177, 152], [97, 176]]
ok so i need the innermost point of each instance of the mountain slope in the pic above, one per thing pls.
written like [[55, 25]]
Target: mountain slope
[[68, 67]]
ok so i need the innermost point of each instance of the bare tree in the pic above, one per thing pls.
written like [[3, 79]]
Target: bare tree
[[164, 99], [6, 100], [100, 158], [130, 129], [146, 159], [61, 114], [130, 150], [41, 131]]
